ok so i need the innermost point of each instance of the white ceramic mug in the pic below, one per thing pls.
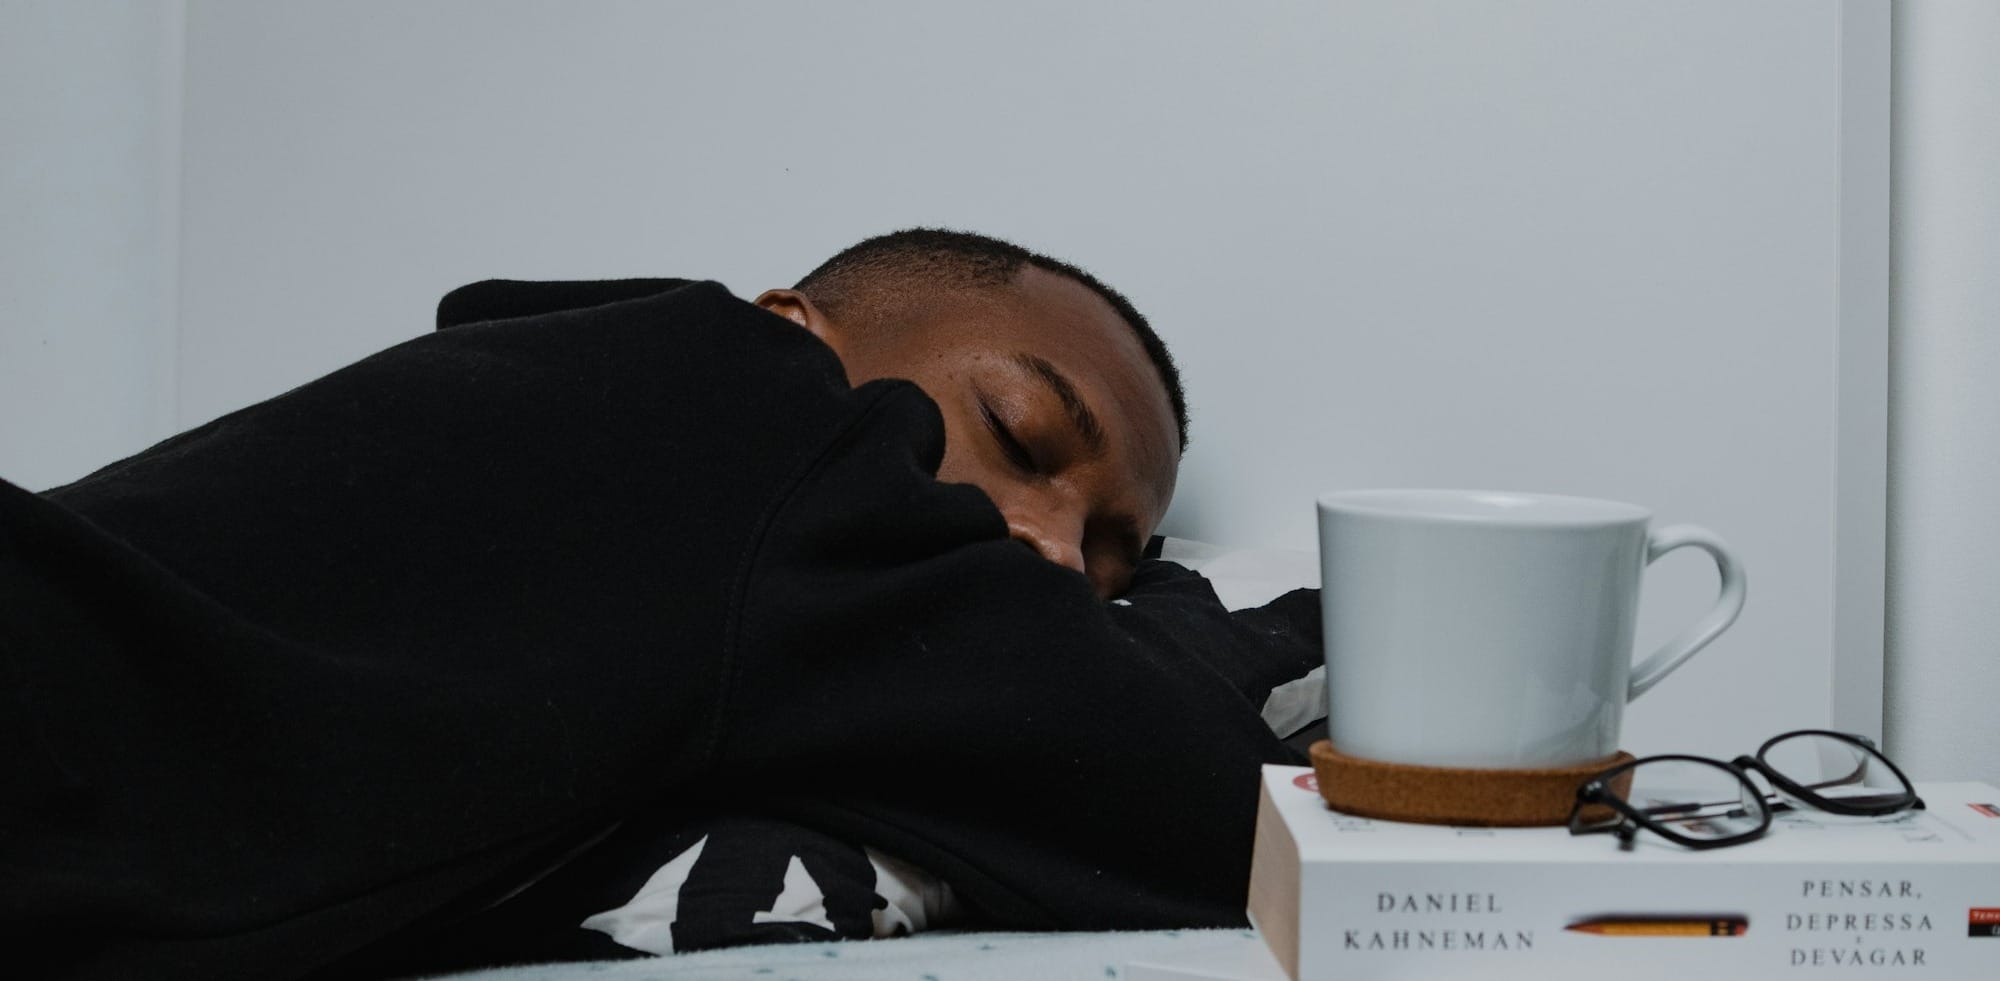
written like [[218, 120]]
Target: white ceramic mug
[[1493, 629]]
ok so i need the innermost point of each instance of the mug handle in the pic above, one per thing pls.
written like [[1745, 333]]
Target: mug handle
[[1675, 652]]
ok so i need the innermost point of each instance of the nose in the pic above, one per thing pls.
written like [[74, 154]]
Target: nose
[[1055, 537]]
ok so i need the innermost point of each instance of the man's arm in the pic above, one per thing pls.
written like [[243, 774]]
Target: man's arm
[[507, 299], [903, 673]]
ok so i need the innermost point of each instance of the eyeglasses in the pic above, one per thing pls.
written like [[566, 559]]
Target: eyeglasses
[[1705, 803]]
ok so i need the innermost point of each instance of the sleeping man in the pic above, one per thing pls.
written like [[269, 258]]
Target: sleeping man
[[407, 667]]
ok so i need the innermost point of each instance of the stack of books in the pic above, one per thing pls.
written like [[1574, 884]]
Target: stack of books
[[1342, 898]]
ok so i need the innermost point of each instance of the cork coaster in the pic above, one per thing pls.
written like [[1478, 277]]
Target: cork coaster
[[1456, 795]]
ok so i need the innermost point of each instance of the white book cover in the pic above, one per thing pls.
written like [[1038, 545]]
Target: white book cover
[[1343, 897]]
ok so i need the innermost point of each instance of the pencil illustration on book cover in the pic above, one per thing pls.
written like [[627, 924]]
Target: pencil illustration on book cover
[[1663, 925]]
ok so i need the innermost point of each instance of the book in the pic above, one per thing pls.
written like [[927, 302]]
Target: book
[[1338, 897]]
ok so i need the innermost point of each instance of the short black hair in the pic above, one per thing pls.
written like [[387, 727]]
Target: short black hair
[[892, 265]]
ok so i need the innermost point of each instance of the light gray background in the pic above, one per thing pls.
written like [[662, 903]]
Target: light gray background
[[90, 128], [1595, 248]]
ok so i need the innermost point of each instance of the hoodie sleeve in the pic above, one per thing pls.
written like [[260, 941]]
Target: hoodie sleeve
[[904, 673]]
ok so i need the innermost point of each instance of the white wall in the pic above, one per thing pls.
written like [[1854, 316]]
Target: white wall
[[90, 119], [1943, 705], [1552, 245], [89, 228]]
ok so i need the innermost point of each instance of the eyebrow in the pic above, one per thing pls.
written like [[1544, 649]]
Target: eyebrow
[[1079, 413]]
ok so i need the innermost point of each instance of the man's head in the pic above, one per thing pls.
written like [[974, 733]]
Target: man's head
[[1058, 399]]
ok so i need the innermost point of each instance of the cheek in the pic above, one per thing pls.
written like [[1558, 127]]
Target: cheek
[[968, 460], [961, 464], [965, 462], [967, 468]]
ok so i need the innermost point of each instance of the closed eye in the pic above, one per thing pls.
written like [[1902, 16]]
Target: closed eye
[[1016, 452]]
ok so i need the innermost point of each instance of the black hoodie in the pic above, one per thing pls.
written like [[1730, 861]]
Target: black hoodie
[[284, 694]]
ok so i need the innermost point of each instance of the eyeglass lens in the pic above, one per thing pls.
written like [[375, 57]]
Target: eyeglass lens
[[1695, 799], [1836, 769]]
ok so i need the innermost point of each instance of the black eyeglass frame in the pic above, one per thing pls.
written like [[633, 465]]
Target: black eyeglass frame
[[1873, 805], [1597, 792]]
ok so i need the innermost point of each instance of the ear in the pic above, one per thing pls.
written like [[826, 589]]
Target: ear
[[799, 309]]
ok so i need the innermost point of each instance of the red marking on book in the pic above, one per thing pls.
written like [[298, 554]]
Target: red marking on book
[[1990, 810], [1984, 915], [1306, 781]]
